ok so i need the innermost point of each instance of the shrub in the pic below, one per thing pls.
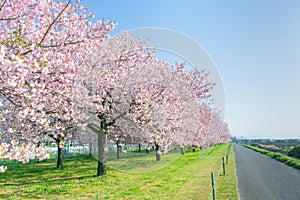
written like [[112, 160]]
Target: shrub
[[295, 152]]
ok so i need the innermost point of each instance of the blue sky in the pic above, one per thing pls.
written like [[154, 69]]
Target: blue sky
[[254, 44]]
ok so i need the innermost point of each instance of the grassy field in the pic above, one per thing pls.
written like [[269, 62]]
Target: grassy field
[[139, 162], [188, 177], [293, 162]]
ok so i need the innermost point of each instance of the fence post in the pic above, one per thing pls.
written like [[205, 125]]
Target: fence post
[[213, 186], [223, 163]]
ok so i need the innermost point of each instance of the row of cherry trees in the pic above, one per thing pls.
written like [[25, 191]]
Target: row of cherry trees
[[62, 77], [124, 91]]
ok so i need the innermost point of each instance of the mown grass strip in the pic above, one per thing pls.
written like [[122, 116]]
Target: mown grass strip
[[227, 185], [293, 162]]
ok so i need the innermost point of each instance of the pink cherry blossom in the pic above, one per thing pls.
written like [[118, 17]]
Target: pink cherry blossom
[[43, 44]]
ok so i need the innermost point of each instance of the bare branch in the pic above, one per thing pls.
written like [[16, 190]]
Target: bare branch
[[10, 18]]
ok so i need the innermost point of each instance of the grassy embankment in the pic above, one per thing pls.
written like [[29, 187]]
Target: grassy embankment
[[188, 177], [293, 162]]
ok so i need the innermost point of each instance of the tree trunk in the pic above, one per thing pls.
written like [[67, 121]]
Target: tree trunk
[[182, 150], [101, 170], [101, 132], [118, 150], [139, 147], [90, 148], [60, 147], [158, 153], [101, 154]]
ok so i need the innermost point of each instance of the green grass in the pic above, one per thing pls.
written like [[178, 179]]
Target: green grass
[[293, 162], [188, 177], [137, 162], [227, 185]]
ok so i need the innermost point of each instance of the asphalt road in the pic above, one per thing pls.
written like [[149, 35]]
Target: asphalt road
[[263, 178]]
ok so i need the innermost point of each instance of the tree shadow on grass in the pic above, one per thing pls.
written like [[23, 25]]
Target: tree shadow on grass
[[19, 174], [54, 180]]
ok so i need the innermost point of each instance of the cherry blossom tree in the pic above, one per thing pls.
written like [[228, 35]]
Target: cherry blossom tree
[[43, 45], [199, 138], [162, 99], [196, 96], [148, 103], [93, 92], [218, 131]]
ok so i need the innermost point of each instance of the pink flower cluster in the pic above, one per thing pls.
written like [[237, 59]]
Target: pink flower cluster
[[21, 152]]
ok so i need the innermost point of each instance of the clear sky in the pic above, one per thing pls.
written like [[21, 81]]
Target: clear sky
[[255, 45]]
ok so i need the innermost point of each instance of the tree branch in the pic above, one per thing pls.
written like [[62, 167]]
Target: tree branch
[[53, 22], [2, 5]]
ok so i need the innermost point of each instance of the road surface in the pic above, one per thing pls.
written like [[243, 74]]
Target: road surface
[[264, 178]]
